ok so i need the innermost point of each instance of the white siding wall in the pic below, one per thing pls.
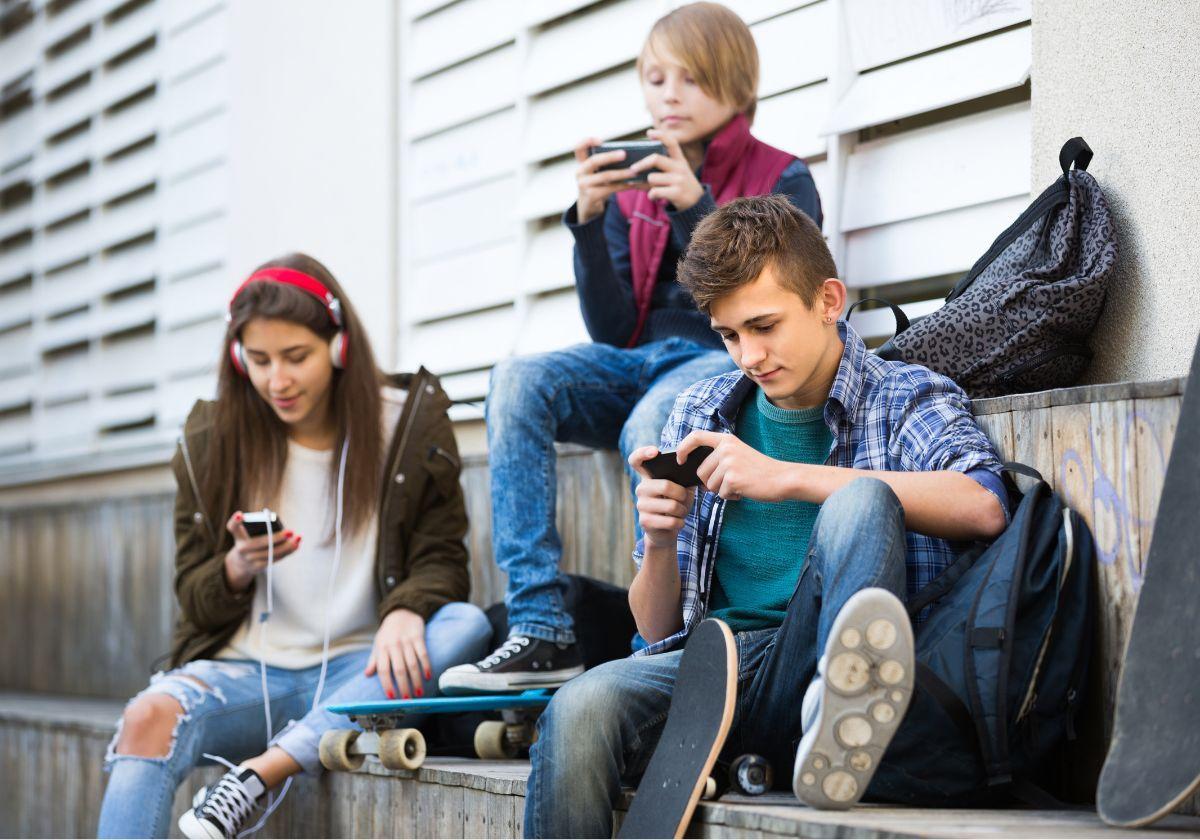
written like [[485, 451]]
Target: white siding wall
[[918, 172]]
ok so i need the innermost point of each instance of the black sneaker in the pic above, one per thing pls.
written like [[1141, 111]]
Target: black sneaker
[[225, 809], [518, 664]]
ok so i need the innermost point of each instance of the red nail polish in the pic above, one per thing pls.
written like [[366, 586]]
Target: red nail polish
[[428, 675], [420, 692], [406, 697], [391, 694], [238, 517]]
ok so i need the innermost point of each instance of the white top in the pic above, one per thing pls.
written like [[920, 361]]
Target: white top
[[301, 595]]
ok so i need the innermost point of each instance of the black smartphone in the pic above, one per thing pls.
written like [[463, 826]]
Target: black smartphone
[[256, 523], [664, 465], [634, 150]]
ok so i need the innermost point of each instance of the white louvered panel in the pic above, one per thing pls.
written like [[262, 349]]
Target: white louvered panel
[[197, 297], [465, 155], [882, 32], [64, 425], [125, 127], [131, 77], [548, 260], [881, 323], [472, 218], [608, 106], [944, 78], [544, 10], [572, 50], [469, 90], [16, 432], [65, 331], [117, 36], [467, 386], [554, 322], [127, 221], [65, 245], [68, 66], [197, 144], [195, 246], [549, 190], [16, 264], [66, 289], [795, 49], [125, 409], [199, 195], [69, 110], [179, 17], [459, 31], [66, 22], [124, 268], [198, 94], [127, 361], [971, 160], [416, 8], [18, 135], [928, 246], [22, 48], [195, 45], [819, 169], [59, 202], [64, 155], [16, 307], [792, 121], [16, 389], [66, 374], [126, 174], [178, 395], [188, 346], [125, 314], [464, 282], [16, 220], [466, 343], [752, 11], [16, 350]]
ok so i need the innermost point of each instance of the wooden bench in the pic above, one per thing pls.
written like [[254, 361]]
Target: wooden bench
[[87, 603]]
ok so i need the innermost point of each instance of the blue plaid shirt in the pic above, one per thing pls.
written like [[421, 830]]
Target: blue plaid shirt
[[883, 416]]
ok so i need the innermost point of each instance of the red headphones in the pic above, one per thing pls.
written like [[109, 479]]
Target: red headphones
[[339, 347]]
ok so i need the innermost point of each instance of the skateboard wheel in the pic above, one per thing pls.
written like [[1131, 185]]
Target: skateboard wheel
[[751, 775], [713, 789], [334, 750], [401, 749], [491, 741]]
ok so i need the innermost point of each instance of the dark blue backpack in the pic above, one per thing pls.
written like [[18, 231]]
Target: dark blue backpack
[[1002, 662]]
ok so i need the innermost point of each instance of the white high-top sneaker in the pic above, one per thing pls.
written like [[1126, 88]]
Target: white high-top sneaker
[[225, 809]]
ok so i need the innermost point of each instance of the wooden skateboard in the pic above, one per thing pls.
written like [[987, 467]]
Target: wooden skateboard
[[1153, 761], [403, 748], [698, 721]]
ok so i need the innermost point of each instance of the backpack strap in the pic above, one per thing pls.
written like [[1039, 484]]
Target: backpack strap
[[1021, 469], [901, 319], [1075, 151], [944, 582]]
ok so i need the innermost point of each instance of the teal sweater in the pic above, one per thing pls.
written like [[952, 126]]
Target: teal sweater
[[763, 544]]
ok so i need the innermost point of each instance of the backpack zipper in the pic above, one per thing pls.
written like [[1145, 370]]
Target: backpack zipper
[[1045, 356], [1031, 692]]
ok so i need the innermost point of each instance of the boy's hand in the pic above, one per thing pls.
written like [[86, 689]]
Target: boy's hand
[[399, 656], [594, 186], [248, 556], [661, 505], [735, 470], [674, 181]]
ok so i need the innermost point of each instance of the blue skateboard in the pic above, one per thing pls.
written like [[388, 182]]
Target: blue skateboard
[[401, 748]]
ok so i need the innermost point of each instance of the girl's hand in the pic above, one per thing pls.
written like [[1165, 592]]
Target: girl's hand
[[674, 180], [594, 186], [248, 556], [399, 656]]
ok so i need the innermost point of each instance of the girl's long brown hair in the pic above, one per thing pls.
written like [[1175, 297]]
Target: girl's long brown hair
[[249, 443]]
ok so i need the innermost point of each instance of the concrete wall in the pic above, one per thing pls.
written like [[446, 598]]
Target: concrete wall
[[1125, 76]]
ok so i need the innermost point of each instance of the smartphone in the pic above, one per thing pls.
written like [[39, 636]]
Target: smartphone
[[256, 523], [664, 465], [634, 150]]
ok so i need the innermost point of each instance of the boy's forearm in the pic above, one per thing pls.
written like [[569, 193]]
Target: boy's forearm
[[948, 505], [654, 595]]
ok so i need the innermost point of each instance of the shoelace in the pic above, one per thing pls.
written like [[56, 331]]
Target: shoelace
[[229, 803], [513, 646]]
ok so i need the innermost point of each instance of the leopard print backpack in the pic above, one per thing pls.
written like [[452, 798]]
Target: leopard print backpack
[[1020, 319]]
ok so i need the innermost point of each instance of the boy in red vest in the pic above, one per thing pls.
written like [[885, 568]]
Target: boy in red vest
[[699, 77]]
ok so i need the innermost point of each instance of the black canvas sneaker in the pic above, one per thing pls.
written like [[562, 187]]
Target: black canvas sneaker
[[518, 664], [224, 810]]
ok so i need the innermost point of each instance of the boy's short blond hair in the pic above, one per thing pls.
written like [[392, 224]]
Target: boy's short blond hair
[[715, 46]]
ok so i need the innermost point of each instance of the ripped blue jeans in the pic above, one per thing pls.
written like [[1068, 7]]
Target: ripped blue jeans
[[223, 715]]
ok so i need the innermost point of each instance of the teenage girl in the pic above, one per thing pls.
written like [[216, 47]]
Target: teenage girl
[[359, 594]]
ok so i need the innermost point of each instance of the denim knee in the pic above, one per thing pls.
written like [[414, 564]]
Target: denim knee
[[858, 499], [515, 384], [643, 427]]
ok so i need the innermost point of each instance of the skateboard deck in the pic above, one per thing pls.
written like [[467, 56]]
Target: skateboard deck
[[698, 721], [1154, 759], [400, 748]]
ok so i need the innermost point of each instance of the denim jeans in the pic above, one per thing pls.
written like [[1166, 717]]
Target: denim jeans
[[592, 394], [601, 728], [226, 717]]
